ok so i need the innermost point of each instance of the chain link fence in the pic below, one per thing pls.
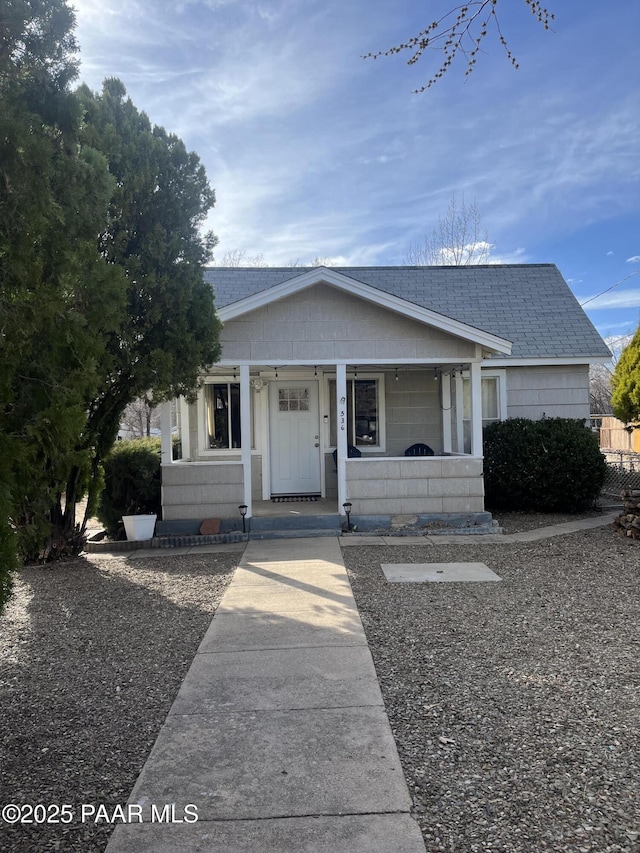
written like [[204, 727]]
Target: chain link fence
[[623, 471]]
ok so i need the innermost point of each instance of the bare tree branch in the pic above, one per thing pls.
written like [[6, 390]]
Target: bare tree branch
[[461, 31], [239, 258], [459, 239], [140, 417]]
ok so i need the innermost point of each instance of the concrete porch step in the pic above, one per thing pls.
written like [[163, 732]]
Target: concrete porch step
[[294, 522]]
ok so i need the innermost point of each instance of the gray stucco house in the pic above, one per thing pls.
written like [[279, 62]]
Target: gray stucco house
[[316, 362]]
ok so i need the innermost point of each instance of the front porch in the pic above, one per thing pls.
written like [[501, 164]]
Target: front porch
[[315, 373], [311, 443]]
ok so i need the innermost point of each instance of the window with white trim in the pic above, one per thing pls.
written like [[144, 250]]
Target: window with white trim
[[494, 401], [365, 412], [222, 416]]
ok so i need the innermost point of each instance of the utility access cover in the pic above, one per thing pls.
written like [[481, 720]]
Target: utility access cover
[[437, 572]]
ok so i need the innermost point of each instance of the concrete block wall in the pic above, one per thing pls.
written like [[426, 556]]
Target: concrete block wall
[[555, 391], [413, 411], [326, 323], [205, 490], [406, 486]]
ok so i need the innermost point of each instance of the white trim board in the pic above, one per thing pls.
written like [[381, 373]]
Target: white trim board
[[546, 361]]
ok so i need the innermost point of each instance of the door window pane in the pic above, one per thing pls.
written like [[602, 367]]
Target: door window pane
[[293, 399]]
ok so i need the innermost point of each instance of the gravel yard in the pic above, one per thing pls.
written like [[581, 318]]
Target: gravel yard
[[520, 522], [92, 653], [515, 705]]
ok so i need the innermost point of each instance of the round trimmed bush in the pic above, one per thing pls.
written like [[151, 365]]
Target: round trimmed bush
[[551, 465], [132, 483]]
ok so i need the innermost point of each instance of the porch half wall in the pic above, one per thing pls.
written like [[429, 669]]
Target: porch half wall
[[375, 486], [202, 490], [406, 486]]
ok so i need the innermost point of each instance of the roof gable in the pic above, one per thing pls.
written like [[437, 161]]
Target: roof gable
[[382, 298], [324, 324]]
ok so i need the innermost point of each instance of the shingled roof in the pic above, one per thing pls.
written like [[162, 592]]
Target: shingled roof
[[528, 304]]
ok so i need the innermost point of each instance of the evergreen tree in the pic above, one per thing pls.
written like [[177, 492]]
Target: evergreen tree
[[102, 296], [153, 237], [58, 296], [625, 384]]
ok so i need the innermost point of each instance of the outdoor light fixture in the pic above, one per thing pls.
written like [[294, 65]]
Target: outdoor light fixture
[[347, 508], [397, 377], [243, 512], [435, 374]]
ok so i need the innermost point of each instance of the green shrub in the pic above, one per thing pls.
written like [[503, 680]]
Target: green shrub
[[131, 483], [552, 465]]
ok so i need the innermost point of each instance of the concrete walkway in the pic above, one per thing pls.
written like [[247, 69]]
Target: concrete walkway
[[278, 734]]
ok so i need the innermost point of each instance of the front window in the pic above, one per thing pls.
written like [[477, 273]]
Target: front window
[[493, 403], [490, 400], [363, 411], [222, 407]]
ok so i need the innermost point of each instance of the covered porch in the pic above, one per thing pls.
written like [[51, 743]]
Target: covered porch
[[306, 420]]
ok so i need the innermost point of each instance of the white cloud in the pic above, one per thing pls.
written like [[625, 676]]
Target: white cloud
[[619, 299], [518, 256], [634, 260]]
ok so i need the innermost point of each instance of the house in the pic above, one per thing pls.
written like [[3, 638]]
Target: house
[[316, 362]]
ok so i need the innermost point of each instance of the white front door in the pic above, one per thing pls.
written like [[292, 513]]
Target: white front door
[[294, 426]]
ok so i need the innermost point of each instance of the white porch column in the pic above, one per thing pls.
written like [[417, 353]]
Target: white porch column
[[245, 431], [445, 391], [183, 423], [476, 409], [166, 447], [459, 413], [341, 433]]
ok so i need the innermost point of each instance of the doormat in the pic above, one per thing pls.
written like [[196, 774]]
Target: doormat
[[287, 499]]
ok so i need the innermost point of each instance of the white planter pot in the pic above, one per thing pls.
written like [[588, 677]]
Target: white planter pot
[[139, 527]]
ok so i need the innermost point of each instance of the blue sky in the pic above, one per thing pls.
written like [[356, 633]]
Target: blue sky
[[314, 151]]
